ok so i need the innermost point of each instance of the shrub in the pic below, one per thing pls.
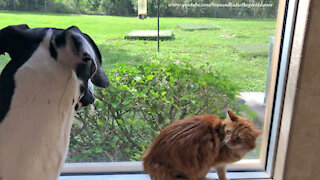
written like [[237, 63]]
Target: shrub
[[141, 101], [60, 7]]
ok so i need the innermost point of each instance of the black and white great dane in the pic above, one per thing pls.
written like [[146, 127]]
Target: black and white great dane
[[50, 74]]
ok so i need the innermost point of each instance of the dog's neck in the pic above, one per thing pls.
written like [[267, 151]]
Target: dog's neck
[[39, 119]]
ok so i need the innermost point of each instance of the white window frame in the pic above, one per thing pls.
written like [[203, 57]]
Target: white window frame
[[291, 19]]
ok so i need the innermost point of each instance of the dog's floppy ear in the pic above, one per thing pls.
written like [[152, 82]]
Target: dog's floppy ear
[[13, 40], [68, 45], [99, 78], [74, 28], [67, 38], [71, 35]]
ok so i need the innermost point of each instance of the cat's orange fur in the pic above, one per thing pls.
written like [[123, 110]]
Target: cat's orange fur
[[188, 148]]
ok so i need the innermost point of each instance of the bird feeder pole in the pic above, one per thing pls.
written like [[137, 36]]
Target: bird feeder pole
[[142, 13], [158, 13]]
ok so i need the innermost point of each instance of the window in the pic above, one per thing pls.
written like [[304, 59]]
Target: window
[[240, 45]]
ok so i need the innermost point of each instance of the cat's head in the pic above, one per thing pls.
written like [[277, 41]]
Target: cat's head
[[239, 133]]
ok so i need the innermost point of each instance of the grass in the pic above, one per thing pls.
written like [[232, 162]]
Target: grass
[[215, 46], [3, 61]]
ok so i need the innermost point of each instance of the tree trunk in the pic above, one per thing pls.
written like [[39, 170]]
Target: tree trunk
[[14, 4]]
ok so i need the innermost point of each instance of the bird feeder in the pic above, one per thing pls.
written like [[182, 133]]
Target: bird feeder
[[142, 9]]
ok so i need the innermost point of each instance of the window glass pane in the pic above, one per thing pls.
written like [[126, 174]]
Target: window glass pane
[[214, 55]]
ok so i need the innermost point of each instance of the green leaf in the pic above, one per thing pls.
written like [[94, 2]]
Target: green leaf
[[99, 149], [185, 97], [150, 77], [114, 105], [142, 122], [120, 122], [100, 122], [127, 150]]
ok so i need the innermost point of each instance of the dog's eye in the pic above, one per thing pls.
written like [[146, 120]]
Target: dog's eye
[[86, 59], [93, 67]]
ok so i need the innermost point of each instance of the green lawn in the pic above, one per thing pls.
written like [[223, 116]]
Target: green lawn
[[215, 46]]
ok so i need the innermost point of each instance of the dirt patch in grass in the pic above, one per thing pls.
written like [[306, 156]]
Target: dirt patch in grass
[[226, 35], [195, 27], [252, 49], [149, 35]]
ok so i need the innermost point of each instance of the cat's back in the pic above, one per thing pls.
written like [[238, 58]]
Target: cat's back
[[189, 129], [190, 143], [186, 132]]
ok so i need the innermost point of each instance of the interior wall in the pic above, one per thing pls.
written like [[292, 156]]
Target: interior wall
[[303, 153]]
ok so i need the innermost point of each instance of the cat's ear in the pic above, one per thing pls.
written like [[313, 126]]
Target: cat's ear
[[257, 132], [232, 116]]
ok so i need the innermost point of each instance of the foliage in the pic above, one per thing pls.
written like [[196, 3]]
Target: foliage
[[129, 7], [140, 102], [60, 7]]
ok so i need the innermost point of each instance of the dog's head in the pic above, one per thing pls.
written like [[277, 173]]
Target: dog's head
[[68, 46], [78, 50]]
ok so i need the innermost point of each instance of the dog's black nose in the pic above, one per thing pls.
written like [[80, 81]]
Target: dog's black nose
[[76, 107], [87, 98], [85, 101]]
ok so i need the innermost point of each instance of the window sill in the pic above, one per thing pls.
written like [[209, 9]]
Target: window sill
[[136, 167], [231, 175]]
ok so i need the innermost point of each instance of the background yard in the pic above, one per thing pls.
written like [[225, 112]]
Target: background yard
[[202, 70], [236, 47]]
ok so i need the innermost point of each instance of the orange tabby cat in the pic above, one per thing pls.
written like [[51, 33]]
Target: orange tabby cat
[[188, 148]]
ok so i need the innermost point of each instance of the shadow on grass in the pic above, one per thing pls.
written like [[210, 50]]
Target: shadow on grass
[[113, 56], [37, 13]]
